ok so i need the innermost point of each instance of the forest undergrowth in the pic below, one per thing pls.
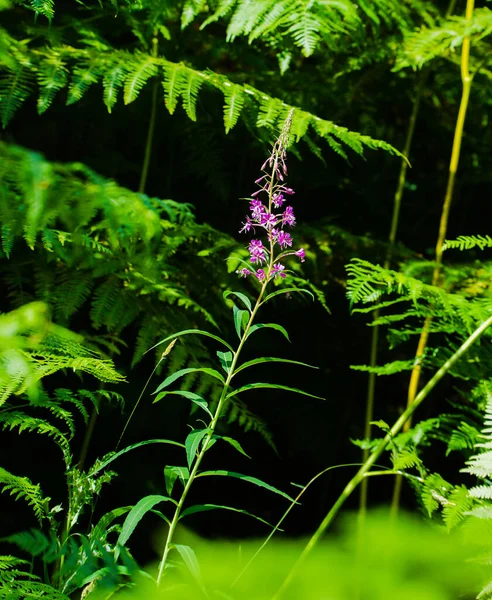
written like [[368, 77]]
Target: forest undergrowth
[[207, 277]]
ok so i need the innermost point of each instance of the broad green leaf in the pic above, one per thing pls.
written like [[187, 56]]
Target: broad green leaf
[[190, 331], [273, 386], [239, 320], [192, 443], [195, 398], [248, 478], [234, 443], [205, 507], [172, 473], [99, 467], [183, 372], [191, 561], [135, 516], [225, 359], [268, 325], [266, 359], [287, 291], [245, 300]]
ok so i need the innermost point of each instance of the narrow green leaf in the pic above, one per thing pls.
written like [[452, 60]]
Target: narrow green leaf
[[183, 372], [246, 301], [266, 359], [190, 331], [225, 359], [172, 473], [191, 561], [287, 291], [135, 516], [111, 457], [272, 386], [195, 398], [206, 507], [234, 443], [268, 325], [192, 443], [239, 320], [249, 479]]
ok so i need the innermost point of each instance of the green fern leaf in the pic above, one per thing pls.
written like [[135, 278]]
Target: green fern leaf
[[191, 9], [138, 74], [194, 81], [467, 242], [43, 7], [52, 77], [22, 487], [270, 108], [83, 76], [458, 504], [234, 101], [113, 81], [174, 80], [15, 87]]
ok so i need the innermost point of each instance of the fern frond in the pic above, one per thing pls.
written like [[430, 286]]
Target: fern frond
[[458, 504], [36, 543], [140, 71], [15, 87], [43, 7], [397, 366], [52, 76], [83, 76], [434, 492], [174, 81], [467, 242], [428, 43], [23, 488], [234, 101], [191, 8], [190, 91], [113, 80], [23, 422]]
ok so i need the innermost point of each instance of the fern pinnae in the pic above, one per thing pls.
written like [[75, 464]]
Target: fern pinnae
[[15, 88], [22, 487], [234, 101], [112, 81], [139, 72], [194, 82], [173, 84], [52, 77]]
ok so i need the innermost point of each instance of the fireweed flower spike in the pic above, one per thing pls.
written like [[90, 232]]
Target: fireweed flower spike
[[264, 207]]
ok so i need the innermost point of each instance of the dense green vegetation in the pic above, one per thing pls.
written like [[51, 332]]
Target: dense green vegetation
[[245, 287]]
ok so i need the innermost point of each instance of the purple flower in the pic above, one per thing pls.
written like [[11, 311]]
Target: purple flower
[[264, 214], [258, 253], [278, 271], [284, 239], [278, 200], [257, 209], [268, 220], [246, 226], [288, 216]]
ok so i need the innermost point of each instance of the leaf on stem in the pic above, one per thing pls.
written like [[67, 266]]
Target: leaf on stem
[[195, 398], [245, 300], [172, 473], [192, 443], [287, 291], [240, 320], [191, 561], [234, 443], [135, 516], [205, 507], [247, 478], [266, 359], [269, 325], [225, 359], [183, 372], [274, 386], [189, 332]]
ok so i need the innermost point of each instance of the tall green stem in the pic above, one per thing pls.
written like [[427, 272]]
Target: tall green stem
[[371, 384], [151, 129], [466, 79], [364, 470]]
